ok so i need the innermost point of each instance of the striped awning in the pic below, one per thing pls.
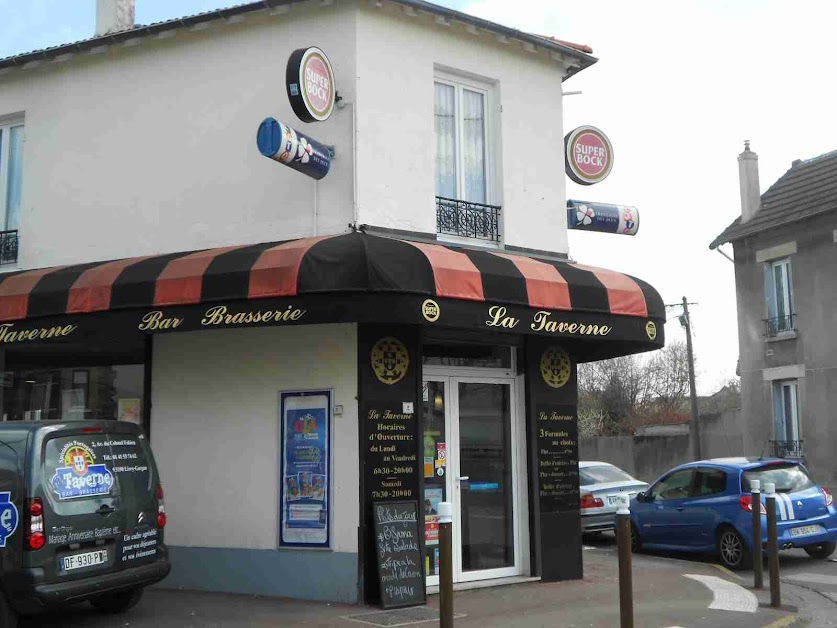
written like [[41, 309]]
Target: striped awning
[[354, 262], [342, 278]]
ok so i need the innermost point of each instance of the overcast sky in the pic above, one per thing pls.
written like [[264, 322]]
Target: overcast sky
[[678, 87]]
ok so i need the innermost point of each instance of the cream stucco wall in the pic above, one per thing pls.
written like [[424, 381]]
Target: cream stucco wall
[[397, 57], [151, 148], [215, 429]]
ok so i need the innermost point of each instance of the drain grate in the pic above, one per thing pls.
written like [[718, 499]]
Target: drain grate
[[398, 617]]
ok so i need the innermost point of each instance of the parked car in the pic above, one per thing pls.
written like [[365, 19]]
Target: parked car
[[706, 506], [601, 484], [81, 516]]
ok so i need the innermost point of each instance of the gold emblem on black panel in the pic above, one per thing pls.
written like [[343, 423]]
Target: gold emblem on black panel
[[390, 360], [651, 330], [556, 367], [430, 310]]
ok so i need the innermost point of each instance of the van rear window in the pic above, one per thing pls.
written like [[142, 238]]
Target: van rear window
[[96, 465], [788, 477]]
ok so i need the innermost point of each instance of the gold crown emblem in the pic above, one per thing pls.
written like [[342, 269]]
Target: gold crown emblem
[[556, 367], [390, 360]]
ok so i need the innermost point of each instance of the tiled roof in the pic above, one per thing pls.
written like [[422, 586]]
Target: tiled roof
[[807, 189], [579, 53], [581, 47]]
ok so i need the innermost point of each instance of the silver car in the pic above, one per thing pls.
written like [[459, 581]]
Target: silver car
[[601, 485]]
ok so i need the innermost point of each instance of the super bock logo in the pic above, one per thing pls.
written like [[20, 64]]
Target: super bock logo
[[80, 476]]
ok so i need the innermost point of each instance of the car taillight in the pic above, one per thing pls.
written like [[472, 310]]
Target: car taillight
[[34, 528], [161, 508], [746, 503], [589, 501], [828, 498]]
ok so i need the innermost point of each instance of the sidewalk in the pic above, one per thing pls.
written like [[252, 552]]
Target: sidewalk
[[664, 597]]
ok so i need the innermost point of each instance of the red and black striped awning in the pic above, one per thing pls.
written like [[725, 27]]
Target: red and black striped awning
[[346, 273], [354, 262]]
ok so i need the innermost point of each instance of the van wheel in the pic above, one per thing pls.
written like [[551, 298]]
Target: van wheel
[[8, 616], [820, 550], [118, 602], [732, 550]]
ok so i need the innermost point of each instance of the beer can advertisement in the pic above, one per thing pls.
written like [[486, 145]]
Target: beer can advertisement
[[602, 217], [296, 150]]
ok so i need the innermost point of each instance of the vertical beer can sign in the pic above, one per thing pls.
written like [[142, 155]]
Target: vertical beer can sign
[[310, 83], [589, 155], [296, 150]]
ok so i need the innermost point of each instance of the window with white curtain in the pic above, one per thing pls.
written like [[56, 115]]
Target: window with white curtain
[[786, 411], [779, 294], [462, 168], [11, 174]]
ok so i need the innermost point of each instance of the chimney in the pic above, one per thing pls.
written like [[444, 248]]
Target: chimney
[[113, 16], [748, 177]]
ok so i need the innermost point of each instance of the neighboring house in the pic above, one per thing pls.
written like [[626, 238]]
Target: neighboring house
[[785, 245], [421, 289]]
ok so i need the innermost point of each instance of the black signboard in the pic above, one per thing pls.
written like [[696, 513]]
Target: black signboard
[[553, 447], [398, 547], [389, 370]]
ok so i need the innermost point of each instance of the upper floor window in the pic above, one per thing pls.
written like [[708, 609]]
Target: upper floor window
[[786, 429], [779, 293], [461, 142], [11, 180], [463, 161]]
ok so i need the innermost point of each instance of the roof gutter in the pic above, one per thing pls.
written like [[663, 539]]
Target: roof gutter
[[583, 60]]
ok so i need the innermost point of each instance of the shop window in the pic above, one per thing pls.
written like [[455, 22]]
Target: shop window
[[779, 293], [72, 394], [463, 161], [475, 356], [11, 185]]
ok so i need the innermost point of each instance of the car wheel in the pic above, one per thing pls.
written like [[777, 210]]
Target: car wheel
[[820, 550], [733, 550], [8, 616], [636, 544], [118, 602]]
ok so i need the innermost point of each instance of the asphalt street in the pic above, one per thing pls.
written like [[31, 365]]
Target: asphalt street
[[671, 591]]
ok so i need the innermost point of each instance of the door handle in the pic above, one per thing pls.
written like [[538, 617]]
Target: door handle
[[464, 478]]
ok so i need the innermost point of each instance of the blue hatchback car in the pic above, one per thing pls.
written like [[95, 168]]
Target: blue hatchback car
[[706, 506]]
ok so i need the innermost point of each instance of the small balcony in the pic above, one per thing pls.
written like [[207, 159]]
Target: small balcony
[[467, 220], [8, 247], [788, 448], [779, 325]]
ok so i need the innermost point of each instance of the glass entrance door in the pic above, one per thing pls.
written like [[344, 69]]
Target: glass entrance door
[[469, 445]]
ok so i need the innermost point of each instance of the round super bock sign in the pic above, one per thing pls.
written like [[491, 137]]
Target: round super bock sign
[[589, 155], [310, 83]]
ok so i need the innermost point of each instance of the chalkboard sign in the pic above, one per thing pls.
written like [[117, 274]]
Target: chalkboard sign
[[397, 541]]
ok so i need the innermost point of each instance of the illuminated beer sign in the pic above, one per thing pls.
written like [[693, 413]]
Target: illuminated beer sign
[[310, 83], [589, 155]]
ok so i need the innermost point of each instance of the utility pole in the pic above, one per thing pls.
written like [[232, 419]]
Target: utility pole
[[692, 392]]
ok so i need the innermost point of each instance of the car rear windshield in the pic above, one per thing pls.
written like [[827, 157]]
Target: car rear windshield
[[788, 478], [97, 465], [602, 474]]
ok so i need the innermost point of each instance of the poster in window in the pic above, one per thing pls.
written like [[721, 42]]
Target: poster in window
[[304, 469], [128, 409]]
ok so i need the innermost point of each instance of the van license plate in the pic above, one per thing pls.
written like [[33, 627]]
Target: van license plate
[[806, 530], [78, 561]]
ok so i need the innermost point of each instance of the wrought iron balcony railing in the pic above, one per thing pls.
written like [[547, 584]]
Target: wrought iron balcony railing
[[8, 247], [467, 220], [779, 324], [788, 448]]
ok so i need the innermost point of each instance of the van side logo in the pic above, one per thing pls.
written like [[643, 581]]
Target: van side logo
[[80, 476], [8, 517]]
